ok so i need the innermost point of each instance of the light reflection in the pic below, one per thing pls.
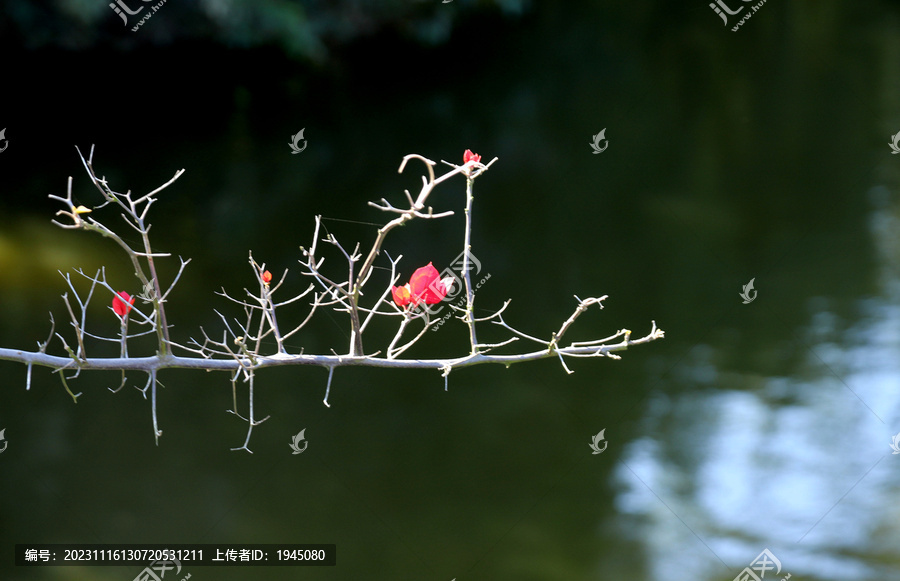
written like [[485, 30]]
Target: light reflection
[[800, 464]]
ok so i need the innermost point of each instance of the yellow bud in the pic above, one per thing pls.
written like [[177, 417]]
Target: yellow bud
[[82, 210]]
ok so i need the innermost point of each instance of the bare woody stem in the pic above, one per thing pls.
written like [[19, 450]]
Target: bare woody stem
[[356, 345], [406, 216], [162, 328], [354, 284], [467, 249], [416, 207], [414, 211], [155, 363], [135, 218]]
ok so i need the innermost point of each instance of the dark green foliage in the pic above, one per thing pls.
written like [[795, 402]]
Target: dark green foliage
[[305, 30]]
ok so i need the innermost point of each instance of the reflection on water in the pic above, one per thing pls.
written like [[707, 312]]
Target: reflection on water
[[800, 464]]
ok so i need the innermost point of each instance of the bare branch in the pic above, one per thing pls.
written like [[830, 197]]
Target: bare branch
[[244, 346]]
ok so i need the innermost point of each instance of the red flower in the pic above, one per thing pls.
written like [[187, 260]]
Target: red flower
[[401, 295], [469, 156], [267, 277], [425, 285], [121, 303]]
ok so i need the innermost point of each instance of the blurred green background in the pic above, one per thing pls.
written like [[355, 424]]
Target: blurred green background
[[761, 153]]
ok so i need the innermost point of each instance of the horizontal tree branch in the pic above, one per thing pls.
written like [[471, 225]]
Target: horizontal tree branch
[[238, 350], [157, 362]]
